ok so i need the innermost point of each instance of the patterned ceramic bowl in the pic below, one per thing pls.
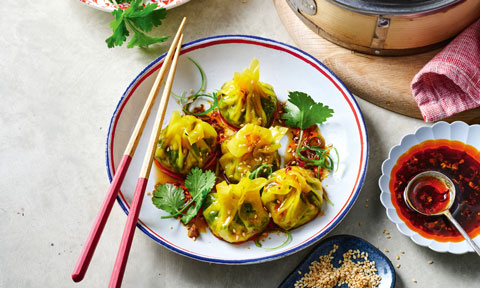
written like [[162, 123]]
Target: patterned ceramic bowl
[[107, 6], [457, 131]]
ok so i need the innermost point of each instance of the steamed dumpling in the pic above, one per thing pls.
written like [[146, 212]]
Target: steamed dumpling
[[250, 147], [245, 99], [293, 196], [235, 212], [185, 143]]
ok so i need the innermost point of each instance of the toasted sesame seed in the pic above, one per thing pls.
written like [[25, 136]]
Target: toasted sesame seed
[[414, 281], [354, 274], [398, 257], [430, 262], [398, 266], [401, 251], [386, 250], [388, 237]]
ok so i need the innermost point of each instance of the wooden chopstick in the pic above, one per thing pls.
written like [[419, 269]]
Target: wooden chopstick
[[129, 231], [102, 216]]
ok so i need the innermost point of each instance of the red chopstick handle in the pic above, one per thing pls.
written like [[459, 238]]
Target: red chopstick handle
[[100, 221], [128, 233]]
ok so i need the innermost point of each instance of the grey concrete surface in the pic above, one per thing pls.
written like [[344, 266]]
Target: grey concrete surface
[[59, 85]]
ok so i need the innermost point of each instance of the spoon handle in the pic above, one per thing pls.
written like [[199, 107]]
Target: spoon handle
[[463, 232]]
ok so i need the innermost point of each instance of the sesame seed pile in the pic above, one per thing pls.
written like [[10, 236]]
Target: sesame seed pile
[[356, 274]]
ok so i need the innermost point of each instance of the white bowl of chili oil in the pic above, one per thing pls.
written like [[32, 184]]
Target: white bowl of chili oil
[[452, 149]]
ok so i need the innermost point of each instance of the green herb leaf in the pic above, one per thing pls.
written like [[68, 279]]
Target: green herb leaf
[[142, 40], [169, 198], [139, 19], [147, 17], [198, 184], [119, 28], [303, 112]]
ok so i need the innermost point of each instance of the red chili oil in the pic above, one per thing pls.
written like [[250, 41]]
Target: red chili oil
[[456, 160], [429, 195]]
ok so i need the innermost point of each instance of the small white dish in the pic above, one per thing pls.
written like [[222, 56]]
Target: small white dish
[[285, 68], [107, 6], [458, 131]]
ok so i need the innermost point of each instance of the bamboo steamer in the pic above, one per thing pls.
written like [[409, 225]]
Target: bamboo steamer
[[388, 27]]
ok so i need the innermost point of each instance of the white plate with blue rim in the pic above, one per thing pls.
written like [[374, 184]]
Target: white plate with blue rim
[[285, 68], [457, 131]]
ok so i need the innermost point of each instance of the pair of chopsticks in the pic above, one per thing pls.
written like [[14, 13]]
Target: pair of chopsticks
[[102, 216]]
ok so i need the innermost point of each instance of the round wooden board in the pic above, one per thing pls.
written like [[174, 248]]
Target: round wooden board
[[383, 81]]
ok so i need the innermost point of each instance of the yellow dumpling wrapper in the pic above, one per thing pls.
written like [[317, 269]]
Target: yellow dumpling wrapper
[[235, 212], [249, 148], [245, 99], [293, 196], [185, 143]]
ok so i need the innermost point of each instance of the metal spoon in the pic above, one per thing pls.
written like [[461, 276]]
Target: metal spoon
[[451, 188]]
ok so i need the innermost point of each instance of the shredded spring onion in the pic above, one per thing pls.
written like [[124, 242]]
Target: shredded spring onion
[[321, 157], [186, 101], [286, 242], [267, 168]]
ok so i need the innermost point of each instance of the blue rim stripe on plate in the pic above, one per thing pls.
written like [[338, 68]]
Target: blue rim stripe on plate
[[301, 246]]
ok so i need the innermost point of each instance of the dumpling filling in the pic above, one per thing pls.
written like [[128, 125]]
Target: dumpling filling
[[185, 143], [293, 196], [245, 99], [249, 148], [235, 212]]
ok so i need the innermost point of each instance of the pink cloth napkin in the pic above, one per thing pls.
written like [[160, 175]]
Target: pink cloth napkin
[[450, 82]]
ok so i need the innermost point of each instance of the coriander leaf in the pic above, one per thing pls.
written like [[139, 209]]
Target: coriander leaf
[[198, 181], [190, 214], [139, 19], [303, 112], [119, 28], [168, 197], [198, 184], [146, 18]]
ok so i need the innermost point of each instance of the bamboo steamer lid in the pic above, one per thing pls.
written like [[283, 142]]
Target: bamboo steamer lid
[[387, 27]]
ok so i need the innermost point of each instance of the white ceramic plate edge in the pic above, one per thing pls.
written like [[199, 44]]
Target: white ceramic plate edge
[[348, 205]]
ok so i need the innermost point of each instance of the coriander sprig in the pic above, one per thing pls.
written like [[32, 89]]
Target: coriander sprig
[[302, 112], [140, 19], [170, 198]]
